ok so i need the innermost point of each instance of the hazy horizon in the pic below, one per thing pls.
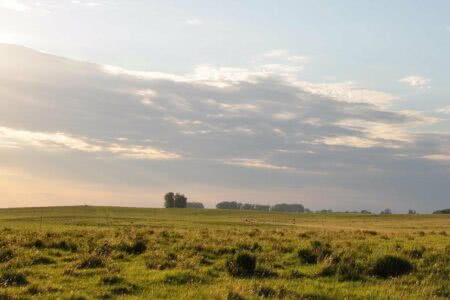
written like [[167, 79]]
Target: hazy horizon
[[336, 106]]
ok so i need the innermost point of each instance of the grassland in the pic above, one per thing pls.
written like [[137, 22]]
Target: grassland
[[134, 253]]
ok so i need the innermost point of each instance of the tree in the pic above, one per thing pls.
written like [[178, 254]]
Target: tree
[[169, 200], [364, 211], [180, 201], [387, 211], [228, 205], [411, 212], [283, 207], [442, 211], [195, 205]]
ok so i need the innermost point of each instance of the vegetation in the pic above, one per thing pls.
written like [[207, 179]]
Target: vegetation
[[442, 211], [177, 200], [283, 207], [195, 205], [131, 253]]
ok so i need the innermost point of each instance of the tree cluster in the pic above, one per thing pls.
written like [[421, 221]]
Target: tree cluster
[[442, 211], [248, 206], [177, 200], [195, 205]]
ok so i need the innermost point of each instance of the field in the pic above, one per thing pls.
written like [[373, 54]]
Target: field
[[135, 253]]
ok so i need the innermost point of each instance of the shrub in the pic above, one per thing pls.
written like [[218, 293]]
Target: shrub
[[66, 246], [121, 290], [306, 256], [344, 268], [266, 292], [104, 250], [241, 264], [234, 296], [91, 262], [112, 280], [38, 244], [34, 290], [416, 252], [13, 278], [137, 247], [321, 250], [42, 260], [183, 278], [6, 255], [6, 296], [391, 266], [162, 263]]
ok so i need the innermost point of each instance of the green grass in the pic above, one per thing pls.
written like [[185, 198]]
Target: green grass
[[137, 253]]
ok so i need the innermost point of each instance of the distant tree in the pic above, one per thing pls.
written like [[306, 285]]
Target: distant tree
[[180, 201], [247, 206], [228, 205], [365, 212], [195, 205], [386, 211], [411, 212], [283, 207], [169, 200], [442, 211], [261, 207]]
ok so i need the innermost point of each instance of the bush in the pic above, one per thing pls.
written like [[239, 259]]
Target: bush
[[183, 278], [266, 292], [38, 244], [112, 280], [91, 262], [13, 278], [242, 264], [344, 268], [42, 260], [137, 247], [391, 266], [306, 256], [66, 246], [234, 296], [416, 252], [162, 263], [6, 255], [320, 250]]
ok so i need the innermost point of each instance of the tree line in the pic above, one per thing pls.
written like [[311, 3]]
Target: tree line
[[178, 200], [282, 207], [172, 200]]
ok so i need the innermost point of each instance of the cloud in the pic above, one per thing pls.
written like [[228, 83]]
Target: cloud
[[444, 110], [194, 22], [14, 138], [348, 92], [15, 5], [416, 81], [255, 163], [282, 54], [229, 128], [438, 157]]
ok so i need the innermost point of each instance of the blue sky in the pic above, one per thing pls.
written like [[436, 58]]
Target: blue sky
[[378, 71]]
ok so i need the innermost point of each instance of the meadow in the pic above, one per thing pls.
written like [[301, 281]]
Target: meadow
[[139, 253]]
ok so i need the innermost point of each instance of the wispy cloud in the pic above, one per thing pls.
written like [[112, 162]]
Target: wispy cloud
[[194, 22], [16, 138], [16, 5], [416, 81], [444, 110], [256, 163]]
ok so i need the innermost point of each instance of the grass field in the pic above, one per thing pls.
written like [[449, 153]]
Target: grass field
[[136, 253]]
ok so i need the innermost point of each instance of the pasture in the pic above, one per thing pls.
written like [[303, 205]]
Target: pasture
[[139, 253]]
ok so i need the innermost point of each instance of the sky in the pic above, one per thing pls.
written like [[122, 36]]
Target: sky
[[341, 105]]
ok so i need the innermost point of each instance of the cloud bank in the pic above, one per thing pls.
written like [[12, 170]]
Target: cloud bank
[[217, 133]]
